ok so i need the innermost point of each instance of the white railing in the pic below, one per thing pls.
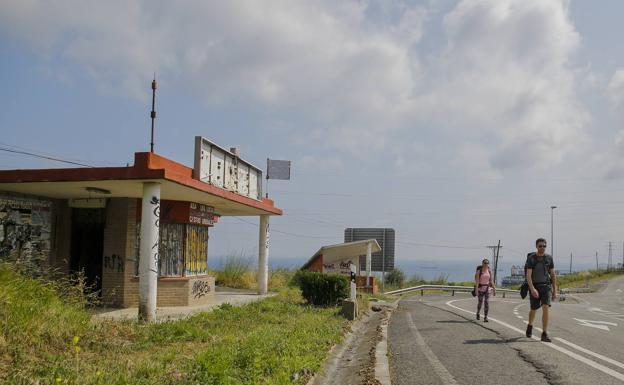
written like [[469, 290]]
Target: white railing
[[450, 288]]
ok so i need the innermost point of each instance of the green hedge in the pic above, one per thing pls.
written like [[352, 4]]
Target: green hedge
[[322, 289]]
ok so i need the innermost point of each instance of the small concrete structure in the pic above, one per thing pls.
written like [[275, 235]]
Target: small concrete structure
[[138, 233], [342, 258], [350, 309]]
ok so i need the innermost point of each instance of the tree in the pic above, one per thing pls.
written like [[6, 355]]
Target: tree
[[395, 277]]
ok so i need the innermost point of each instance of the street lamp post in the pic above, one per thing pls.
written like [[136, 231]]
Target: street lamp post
[[552, 244]]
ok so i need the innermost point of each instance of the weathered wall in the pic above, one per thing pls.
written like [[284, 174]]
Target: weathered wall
[[25, 227], [115, 252]]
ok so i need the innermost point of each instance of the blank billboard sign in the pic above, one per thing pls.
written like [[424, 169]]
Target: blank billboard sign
[[382, 260]]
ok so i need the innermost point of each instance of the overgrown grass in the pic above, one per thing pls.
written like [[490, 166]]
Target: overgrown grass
[[586, 278], [47, 340], [238, 273]]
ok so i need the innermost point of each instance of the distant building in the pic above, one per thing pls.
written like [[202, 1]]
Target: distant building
[[516, 277]]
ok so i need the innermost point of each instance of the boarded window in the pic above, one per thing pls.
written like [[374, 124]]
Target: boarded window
[[171, 250], [183, 250], [196, 250]]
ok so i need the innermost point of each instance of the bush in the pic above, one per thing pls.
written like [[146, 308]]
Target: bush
[[395, 277], [322, 289]]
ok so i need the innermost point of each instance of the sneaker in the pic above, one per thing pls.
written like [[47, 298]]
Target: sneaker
[[545, 337], [478, 317], [485, 319], [529, 331]]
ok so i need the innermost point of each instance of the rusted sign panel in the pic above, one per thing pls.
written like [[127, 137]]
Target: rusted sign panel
[[185, 213]]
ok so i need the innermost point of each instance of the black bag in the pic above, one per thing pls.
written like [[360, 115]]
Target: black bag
[[473, 293], [524, 289]]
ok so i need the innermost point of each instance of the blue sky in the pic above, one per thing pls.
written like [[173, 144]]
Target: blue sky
[[457, 123]]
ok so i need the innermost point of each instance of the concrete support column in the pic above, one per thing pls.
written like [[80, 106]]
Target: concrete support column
[[263, 255], [148, 253], [369, 253]]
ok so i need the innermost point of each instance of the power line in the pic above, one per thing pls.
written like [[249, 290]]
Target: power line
[[289, 233], [41, 153], [45, 157]]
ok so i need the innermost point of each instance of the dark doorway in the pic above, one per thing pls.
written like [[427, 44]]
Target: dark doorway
[[87, 245]]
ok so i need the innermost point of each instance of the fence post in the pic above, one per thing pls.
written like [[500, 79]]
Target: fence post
[[421, 292], [503, 294], [453, 293]]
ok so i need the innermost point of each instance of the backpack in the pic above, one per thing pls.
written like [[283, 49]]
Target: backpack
[[524, 289], [473, 292]]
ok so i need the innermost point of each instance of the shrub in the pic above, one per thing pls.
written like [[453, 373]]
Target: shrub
[[395, 277], [322, 289]]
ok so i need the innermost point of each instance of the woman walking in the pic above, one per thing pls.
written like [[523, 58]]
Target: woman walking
[[483, 282]]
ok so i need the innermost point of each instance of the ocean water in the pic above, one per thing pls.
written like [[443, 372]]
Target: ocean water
[[453, 270]]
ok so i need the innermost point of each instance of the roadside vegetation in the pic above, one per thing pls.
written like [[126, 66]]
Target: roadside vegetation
[[238, 272], [587, 278], [396, 279], [47, 336]]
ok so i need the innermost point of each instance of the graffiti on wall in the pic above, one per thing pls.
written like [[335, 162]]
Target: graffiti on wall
[[25, 228], [115, 263], [341, 267], [155, 202], [200, 289]]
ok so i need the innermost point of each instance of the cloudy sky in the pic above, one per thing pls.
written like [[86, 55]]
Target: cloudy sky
[[457, 123]]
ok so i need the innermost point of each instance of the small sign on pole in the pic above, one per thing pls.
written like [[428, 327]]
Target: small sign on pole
[[277, 169]]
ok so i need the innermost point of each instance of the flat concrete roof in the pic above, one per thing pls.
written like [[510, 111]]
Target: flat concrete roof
[[177, 183], [341, 251]]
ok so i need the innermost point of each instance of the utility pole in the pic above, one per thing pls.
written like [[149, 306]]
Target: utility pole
[[495, 254], [552, 236], [570, 263], [610, 260], [596, 260], [153, 114]]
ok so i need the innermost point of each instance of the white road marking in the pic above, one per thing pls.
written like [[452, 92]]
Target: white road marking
[[606, 313], [602, 325], [446, 377], [582, 349], [565, 351], [515, 309], [519, 316], [619, 290]]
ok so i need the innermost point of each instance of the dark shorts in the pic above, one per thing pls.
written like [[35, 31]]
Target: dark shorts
[[545, 293]]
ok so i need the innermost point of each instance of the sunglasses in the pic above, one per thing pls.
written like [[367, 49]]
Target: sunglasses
[[541, 246]]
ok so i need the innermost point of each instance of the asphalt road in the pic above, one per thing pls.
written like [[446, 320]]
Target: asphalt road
[[436, 339]]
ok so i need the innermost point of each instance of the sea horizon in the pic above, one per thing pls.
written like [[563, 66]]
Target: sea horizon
[[455, 270]]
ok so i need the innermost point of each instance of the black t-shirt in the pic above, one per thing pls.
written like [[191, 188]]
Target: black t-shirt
[[541, 266]]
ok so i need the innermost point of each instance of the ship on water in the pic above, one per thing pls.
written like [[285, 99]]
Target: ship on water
[[516, 277]]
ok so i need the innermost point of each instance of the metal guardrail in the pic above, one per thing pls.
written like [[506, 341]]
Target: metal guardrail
[[450, 288]]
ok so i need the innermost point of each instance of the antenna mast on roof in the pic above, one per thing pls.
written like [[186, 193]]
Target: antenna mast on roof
[[153, 114]]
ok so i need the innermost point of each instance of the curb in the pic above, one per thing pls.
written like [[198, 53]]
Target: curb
[[382, 364]]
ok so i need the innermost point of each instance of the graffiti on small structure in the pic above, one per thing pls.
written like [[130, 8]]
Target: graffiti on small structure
[[200, 289], [25, 228], [156, 203], [114, 262]]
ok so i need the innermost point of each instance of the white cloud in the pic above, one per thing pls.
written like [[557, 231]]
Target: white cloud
[[613, 160], [615, 91], [319, 164], [506, 73], [348, 75]]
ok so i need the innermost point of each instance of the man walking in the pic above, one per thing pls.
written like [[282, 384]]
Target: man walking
[[542, 280]]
